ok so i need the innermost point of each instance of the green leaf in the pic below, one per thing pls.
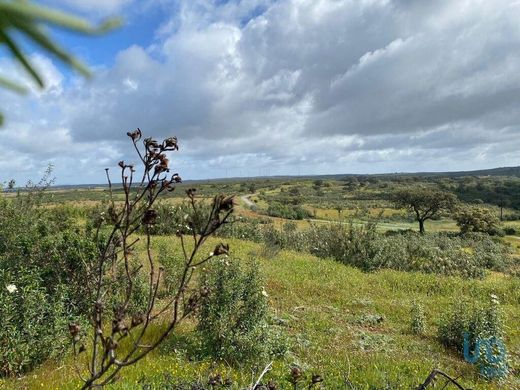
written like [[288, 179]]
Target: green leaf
[[28, 11], [6, 83], [39, 37], [13, 47], [29, 18]]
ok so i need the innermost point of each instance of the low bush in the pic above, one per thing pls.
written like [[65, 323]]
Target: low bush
[[244, 229], [180, 218], [510, 230], [477, 219], [170, 218], [417, 319], [172, 265], [468, 255], [233, 314], [34, 322]]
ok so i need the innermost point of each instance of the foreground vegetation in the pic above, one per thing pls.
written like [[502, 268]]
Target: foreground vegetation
[[352, 296], [350, 324]]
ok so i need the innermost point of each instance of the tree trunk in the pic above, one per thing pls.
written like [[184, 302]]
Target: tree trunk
[[421, 226]]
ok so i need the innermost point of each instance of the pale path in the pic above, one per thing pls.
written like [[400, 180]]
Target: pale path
[[246, 200]]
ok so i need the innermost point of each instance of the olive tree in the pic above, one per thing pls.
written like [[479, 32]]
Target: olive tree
[[425, 203]]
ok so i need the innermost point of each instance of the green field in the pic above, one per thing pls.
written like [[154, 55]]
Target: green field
[[321, 321], [351, 327]]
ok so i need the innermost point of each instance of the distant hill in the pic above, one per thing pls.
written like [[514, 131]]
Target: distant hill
[[502, 171]]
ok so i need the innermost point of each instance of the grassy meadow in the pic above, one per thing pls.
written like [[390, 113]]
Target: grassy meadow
[[353, 328], [323, 307]]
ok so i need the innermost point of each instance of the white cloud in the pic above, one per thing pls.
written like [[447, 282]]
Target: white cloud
[[299, 86]]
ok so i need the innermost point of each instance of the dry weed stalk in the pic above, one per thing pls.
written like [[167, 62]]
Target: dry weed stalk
[[115, 269]]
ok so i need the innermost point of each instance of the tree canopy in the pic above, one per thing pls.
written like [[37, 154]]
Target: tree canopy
[[425, 203], [477, 219]]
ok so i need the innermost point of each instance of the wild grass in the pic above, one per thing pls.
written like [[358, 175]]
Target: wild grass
[[319, 304]]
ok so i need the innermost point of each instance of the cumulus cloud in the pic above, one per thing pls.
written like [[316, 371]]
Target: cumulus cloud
[[298, 86]]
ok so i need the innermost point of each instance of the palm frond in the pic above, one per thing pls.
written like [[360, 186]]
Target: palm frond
[[11, 85], [37, 34], [30, 19], [36, 13], [13, 47]]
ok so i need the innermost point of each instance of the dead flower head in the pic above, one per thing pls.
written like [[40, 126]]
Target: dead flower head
[[221, 249], [150, 216], [135, 135], [171, 143]]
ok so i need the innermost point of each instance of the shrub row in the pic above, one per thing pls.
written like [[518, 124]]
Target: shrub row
[[361, 246]]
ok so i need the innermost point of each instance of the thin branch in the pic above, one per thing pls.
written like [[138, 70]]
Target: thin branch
[[429, 380], [265, 371]]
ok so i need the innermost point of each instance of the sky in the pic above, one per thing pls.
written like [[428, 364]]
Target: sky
[[274, 87]]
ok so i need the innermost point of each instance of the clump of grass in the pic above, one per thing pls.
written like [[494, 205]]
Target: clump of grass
[[370, 320]]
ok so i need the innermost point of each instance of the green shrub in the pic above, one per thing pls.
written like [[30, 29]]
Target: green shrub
[[277, 209], [244, 229], [170, 218], [510, 230], [44, 256], [467, 327], [476, 219], [172, 264], [180, 218], [362, 247], [34, 322], [417, 323], [233, 315]]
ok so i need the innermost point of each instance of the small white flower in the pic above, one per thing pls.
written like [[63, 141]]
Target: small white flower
[[11, 288], [264, 293]]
